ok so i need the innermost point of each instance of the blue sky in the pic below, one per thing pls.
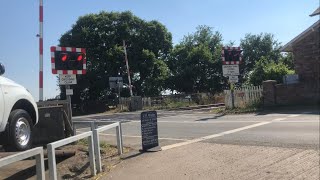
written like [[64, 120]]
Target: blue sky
[[233, 18]]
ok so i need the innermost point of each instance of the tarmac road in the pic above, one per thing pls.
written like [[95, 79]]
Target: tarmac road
[[197, 144], [298, 129]]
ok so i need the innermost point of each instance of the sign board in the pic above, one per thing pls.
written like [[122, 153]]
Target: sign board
[[69, 92], [149, 130], [233, 79], [231, 55], [68, 60], [67, 79], [115, 82], [291, 79], [230, 70]]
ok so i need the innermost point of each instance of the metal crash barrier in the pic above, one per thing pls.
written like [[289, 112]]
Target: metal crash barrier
[[52, 157], [93, 124], [97, 141], [94, 151], [37, 152]]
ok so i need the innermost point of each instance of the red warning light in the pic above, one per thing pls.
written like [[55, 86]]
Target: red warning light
[[80, 57], [64, 57]]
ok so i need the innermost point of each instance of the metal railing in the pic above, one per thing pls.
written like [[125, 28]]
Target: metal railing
[[94, 150], [96, 130], [37, 152], [52, 157], [97, 141], [93, 124]]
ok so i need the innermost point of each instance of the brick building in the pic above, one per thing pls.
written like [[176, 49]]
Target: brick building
[[306, 51]]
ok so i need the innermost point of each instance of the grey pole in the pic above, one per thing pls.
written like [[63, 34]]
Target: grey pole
[[40, 166], [91, 157], [119, 139], [52, 163], [96, 140], [69, 101]]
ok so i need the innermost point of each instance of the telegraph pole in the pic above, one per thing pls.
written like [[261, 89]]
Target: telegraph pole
[[127, 64]]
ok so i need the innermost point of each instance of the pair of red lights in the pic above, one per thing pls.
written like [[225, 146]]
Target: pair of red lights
[[65, 57]]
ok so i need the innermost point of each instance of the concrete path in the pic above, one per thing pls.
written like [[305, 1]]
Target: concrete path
[[217, 161]]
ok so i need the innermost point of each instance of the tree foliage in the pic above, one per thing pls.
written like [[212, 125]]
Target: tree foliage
[[195, 63], [266, 69], [287, 59], [257, 46], [148, 44]]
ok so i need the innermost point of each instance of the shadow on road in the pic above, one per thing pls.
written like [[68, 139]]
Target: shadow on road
[[132, 155], [214, 117], [314, 110], [29, 172]]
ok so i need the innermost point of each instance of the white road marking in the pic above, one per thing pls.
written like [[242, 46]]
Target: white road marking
[[132, 136], [203, 122], [279, 119], [86, 128], [216, 122], [219, 134], [87, 117], [294, 115], [306, 121], [186, 141]]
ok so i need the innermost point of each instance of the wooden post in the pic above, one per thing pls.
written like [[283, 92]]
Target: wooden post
[[127, 65], [232, 95]]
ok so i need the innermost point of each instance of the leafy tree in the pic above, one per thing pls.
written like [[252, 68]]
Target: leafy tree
[[195, 63], [148, 44], [155, 80], [287, 59], [257, 46], [265, 69]]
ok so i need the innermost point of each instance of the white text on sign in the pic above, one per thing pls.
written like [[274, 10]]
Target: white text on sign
[[230, 70], [233, 79], [67, 79]]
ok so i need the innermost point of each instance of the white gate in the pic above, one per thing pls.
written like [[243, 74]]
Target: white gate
[[243, 96]]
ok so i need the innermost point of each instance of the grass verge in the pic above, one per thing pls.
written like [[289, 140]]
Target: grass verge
[[223, 110]]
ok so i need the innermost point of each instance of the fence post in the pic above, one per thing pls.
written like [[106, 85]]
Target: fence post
[[91, 156], [40, 166], [96, 143], [92, 126], [52, 163], [74, 130], [247, 99], [119, 139], [232, 95]]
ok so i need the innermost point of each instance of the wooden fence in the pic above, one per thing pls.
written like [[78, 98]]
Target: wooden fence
[[163, 101], [243, 96], [124, 103]]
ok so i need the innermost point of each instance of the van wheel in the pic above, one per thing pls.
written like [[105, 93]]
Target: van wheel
[[19, 131]]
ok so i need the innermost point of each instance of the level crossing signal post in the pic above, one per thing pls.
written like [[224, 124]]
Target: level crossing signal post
[[68, 62], [231, 58]]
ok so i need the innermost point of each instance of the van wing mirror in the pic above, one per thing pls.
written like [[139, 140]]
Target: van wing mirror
[[2, 69]]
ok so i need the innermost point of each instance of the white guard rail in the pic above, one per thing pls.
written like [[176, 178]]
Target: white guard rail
[[93, 124], [52, 157], [97, 141], [37, 152]]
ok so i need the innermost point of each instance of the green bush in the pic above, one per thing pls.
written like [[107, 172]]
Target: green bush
[[265, 69], [276, 72]]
